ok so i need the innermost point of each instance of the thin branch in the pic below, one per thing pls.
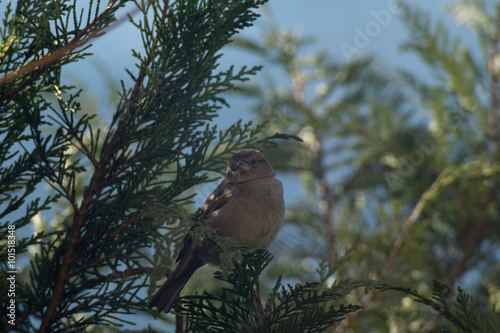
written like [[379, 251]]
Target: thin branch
[[118, 230], [126, 167], [433, 303], [134, 96], [82, 144], [494, 116], [95, 185], [259, 310], [52, 58], [62, 190], [118, 275], [132, 103], [327, 200], [49, 60], [396, 248], [179, 324]]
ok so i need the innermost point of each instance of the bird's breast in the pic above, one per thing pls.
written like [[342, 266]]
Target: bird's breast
[[253, 214]]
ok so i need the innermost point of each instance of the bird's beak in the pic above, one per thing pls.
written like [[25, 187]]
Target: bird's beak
[[241, 166]]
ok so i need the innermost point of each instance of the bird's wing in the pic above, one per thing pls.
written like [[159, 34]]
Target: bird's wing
[[215, 201]]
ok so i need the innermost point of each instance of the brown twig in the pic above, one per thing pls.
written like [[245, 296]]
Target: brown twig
[[82, 144], [118, 230], [260, 310], [445, 179], [126, 167], [327, 200], [69, 257], [132, 103], [179, 324], [494, 116], [118, 275], [52, 58]]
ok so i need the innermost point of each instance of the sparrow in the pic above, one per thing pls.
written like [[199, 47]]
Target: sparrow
[[247, 206]]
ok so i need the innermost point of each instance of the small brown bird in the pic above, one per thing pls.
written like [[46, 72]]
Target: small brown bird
[[247, 206]]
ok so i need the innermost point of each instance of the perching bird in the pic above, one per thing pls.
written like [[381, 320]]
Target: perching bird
[[247, 206]]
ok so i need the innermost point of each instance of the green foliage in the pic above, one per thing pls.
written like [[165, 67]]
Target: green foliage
[[300, 308], [459, 310], [115, 185], [308, 307]]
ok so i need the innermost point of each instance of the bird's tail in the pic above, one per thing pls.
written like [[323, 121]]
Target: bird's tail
[[170, 290]]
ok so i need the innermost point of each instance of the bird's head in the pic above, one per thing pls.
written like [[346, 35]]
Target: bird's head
[[246, 165]]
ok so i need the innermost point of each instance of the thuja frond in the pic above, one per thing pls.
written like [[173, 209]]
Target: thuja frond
[[459, 309], [235, 308], [116, 186], [305, 308], [308, 307], [451, 61], [300, 308]]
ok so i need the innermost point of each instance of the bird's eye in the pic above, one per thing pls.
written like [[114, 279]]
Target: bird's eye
[[253, 161]]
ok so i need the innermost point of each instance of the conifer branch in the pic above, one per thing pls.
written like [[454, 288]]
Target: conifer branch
[[396, 248], [118, 275], [444, 180], [166, 134], [42, 65], [95, 185], [82, 144]]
